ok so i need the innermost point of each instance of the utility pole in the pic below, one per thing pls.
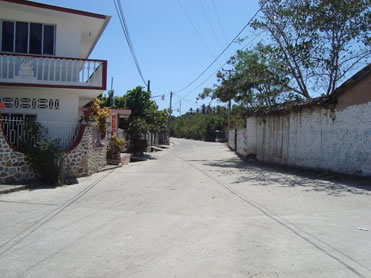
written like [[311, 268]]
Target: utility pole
[[229, 101], [169, 116], [180, 107], [110, 94], [149, 86]]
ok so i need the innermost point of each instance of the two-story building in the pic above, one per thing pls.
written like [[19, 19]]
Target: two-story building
[[45, 73]]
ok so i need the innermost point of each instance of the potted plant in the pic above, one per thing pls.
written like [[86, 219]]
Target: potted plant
[[115, 146]]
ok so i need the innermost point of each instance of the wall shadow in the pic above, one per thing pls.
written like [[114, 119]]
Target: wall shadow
[[265, 174]]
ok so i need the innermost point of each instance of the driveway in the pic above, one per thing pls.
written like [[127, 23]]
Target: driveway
[[195, 210]]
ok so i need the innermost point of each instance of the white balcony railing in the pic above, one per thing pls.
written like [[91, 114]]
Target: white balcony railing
[[52, 71]]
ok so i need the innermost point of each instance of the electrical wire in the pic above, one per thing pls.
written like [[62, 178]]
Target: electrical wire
[[209, 22], [195, 28], [125, 29], [224, 50], [183, 98], [211, 75], [219, 21]]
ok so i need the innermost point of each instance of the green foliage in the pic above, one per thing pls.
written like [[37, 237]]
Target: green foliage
[[317, 41], [138, 146], [255, 80], [44, 158], [115, 146], [42, 154], [99, 114], [145, 116], [313, 45], [197, 126]]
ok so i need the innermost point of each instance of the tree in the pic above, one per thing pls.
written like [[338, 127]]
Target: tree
[[145, 116], [318, 42], [197, 126]]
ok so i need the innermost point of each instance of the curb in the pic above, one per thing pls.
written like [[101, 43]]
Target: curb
[[15, 189], [109, 167]]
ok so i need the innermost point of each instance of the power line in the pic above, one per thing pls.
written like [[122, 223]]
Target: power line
[[209, 22], [211, 75], [183, 98], [125, 29], [219, 21], [213, 62], [220, 24], [195, 28]]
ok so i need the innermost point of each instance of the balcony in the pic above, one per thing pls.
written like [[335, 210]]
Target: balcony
[[47, 71]]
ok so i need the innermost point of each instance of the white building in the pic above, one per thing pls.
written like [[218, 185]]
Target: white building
[[45, 73]]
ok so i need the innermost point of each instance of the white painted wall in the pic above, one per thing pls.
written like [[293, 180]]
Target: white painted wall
[[242, 142], [251, 135], [68, 30], [68, 103], [320, 138], [231, 139]]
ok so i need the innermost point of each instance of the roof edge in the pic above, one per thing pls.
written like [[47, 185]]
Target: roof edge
[[355, 79], [56, 8], [106, 21]]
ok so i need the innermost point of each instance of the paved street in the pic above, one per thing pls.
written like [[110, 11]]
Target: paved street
[[195, 210]]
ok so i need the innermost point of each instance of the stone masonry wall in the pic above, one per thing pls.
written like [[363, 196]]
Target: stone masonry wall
[[84, 158], [13, 167]]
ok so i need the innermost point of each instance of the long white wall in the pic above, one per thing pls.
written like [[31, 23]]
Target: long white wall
[[318, 138]]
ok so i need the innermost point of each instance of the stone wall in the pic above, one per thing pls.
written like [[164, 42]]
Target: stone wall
[[13, 167], [84, 158]]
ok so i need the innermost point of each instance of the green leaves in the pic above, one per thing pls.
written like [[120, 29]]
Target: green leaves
[[318, 41], [258, 78], [200, 126]]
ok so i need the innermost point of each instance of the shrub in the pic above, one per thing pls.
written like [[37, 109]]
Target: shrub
[[44, 158], [138, 146], [99, 115], [115, 146]]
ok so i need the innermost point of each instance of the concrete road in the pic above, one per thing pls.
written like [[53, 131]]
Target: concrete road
[[195, 210]]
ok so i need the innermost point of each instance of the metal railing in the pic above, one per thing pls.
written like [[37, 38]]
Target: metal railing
[[22, 132], [52, 71]]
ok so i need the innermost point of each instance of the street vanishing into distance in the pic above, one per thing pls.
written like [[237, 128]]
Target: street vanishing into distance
[[193, 210]]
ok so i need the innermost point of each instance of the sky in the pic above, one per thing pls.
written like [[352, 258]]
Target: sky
[[170, 49]]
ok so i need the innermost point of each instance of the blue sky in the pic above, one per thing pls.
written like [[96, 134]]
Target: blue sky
[[169, 50]]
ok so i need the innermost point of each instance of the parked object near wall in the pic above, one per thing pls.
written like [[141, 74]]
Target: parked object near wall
[[330, 133]]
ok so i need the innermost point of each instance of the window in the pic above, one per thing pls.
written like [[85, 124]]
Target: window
[[28, 38]]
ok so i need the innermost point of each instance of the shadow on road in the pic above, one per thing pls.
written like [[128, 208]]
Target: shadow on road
[[263, 174]]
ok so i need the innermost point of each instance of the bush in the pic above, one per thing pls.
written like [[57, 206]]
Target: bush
[[44, 158], [115, 146], [138, 146]]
